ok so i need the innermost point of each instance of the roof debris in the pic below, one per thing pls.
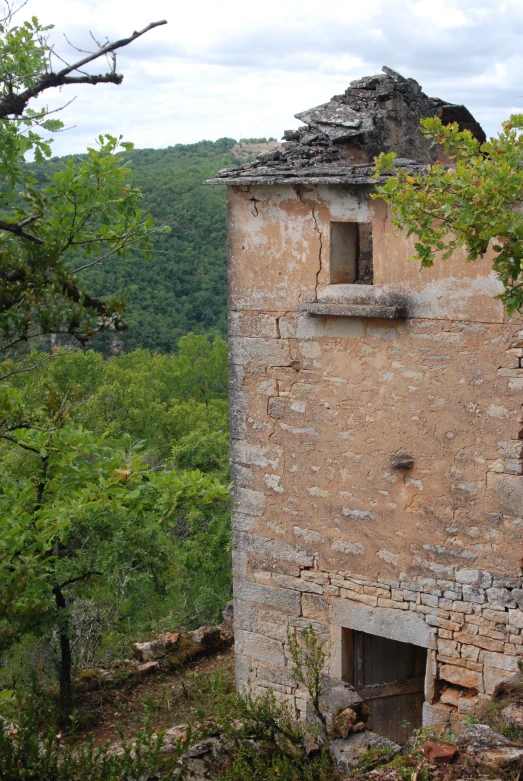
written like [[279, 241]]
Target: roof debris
[[339, 140]]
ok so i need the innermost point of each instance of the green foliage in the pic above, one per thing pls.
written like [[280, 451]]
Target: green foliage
[[308, 661], [24, 57], [183, 288], [260, 737], [474, 202], [262, 140], [28, 755], [89, 206], [81, 509], [114, 497], [270, 744], [105, 507]]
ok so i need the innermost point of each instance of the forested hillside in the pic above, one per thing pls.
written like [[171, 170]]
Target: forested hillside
[[182, 289]]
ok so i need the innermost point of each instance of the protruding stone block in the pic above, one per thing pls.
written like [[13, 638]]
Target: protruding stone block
[[262, 352], [437, 716], [461, 676]]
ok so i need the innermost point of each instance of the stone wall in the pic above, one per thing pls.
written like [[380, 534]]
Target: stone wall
[[320, 407]]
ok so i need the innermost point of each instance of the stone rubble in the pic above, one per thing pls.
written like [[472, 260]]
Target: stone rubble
[[341, 138], [491, 748], [155, 649], [480, 749], [156, 655], [348, 753], [342, 708], [439, 753], [512, 715]]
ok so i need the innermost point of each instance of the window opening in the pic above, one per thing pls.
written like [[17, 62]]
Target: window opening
[[351, 253]]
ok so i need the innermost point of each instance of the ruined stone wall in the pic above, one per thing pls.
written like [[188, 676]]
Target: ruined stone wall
[[325, 530]]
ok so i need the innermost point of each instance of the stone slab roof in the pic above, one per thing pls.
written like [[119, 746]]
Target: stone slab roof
[[339, 140]]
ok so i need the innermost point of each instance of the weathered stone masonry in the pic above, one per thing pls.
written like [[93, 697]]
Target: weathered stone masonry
[[326, 530], [308, 506]]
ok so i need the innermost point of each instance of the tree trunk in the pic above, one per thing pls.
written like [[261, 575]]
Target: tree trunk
[[66, 689]]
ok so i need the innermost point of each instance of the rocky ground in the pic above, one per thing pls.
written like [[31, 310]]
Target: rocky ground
[[171, 680], [492, 750], [479, 753], [180, 682]]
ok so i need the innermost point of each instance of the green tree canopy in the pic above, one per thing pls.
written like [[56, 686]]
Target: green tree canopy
[[103, 487], [89, 205]]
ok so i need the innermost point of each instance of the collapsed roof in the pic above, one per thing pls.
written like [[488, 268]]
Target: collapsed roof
[[339, 140]]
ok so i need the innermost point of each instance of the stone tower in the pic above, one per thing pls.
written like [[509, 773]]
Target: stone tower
[[376, 426]]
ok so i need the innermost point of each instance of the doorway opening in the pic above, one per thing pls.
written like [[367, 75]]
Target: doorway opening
[[390, 677]]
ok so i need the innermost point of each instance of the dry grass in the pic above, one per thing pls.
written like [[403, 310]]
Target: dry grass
[[187, 695]]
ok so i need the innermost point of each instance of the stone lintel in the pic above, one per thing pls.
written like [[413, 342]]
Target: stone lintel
[[401, 625]]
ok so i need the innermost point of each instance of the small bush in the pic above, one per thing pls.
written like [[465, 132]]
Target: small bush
[[269, 743], [27, 755], [270, 746]]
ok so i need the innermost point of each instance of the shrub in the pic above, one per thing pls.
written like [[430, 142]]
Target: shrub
[[27, 755]]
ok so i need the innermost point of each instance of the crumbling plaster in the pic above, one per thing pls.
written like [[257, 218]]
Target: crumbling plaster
[[290, 230], [319, 407]]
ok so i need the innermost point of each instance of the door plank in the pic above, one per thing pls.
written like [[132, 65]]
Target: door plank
[[390, 675], [410, 709], [385, 660], [368, 658], [391, 689], [385, 717], [357, 649]]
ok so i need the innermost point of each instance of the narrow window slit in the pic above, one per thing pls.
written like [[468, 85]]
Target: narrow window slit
[[351, 253]]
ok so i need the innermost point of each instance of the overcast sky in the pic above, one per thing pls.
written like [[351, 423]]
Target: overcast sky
[[239, 69]]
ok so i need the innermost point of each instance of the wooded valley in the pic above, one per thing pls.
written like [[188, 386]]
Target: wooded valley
[[136, 442]]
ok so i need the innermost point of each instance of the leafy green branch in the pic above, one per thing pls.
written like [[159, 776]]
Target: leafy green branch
[[473, 201]]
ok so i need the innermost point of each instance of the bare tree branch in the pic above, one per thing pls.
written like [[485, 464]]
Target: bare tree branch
[[18, 229], [16, 104], [23, 445], [10, 11]]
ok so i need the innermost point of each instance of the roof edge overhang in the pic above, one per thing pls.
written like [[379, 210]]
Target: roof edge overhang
[[248, 181]]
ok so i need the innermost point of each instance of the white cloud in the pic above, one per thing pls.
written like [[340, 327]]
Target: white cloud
[[239, 69]]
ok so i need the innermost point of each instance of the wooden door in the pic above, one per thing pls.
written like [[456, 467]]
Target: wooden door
[[390, 677]]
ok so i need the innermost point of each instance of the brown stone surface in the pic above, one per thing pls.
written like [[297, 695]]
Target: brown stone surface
[[150, 651], [343, 723], [491, 748], [348, 751], [333, 526], [439, 753], [170, 639], [461, 676], [512, 715], [147, 668]]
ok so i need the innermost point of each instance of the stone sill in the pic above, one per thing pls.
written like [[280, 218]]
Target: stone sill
[[353, 310]]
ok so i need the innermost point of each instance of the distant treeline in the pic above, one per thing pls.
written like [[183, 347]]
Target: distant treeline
[[257, 140]]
